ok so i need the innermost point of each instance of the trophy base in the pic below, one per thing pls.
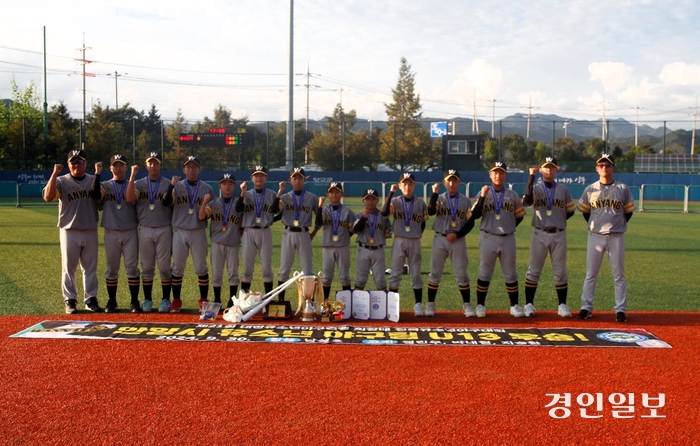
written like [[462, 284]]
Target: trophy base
[[308, 317], [325, 318], [278, 310]]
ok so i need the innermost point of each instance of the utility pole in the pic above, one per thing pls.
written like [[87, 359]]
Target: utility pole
[[84, 63], [116, 89], [529, 117], [692, 139], [636, 126], [290, 105], [604, 127], [308, 86], [566, 124], [475, 121], [493, 116]]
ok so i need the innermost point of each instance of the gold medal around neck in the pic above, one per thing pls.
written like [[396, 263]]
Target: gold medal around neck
[[296, 223], [371, 240], [224, 229], [549, 212], [190, 211], [258, 220], [498, 216], [151, 206], [119, 206], [408, 229], [453, 224], [336, 238]]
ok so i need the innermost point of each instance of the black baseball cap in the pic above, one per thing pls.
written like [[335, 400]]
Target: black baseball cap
[[335, 185], [549, 161], [227, 177], [297, 171], [605, 158], [259, 169], [498, 165], [191, 159], [154, 156], [77, 154], [370, 193], [407, 176], [451, 173], [117, 158]]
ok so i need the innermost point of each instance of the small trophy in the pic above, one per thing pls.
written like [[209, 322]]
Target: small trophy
[[307, 285]]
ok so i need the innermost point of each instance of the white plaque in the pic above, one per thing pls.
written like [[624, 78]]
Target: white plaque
[[392, 305], [360, 305], [377, 304], [345, 297]]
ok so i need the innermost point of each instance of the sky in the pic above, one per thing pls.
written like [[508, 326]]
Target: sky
[[632, 59]]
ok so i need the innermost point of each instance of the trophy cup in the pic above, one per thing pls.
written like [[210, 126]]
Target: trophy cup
[[306, 286]]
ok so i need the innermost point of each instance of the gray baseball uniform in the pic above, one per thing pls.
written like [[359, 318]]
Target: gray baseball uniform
[[225, 232], [298, 210], [371, 238], [77, 220], [258, 208], [121, 234], [337, 224], [605, 205], [189, 232], [409, 221], [451, 215]]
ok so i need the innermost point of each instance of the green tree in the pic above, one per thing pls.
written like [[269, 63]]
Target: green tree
[[337, 138], [64, 135], [405, 143], [22, 128], [595, 147], [517, 149]]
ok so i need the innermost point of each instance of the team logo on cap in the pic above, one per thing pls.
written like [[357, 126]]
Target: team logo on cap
[[153, 155], [334, 184], [258, 167], [226, 176], [296, 170], [407, 176], [498, 164], [606, 156], [371, 191], [452, 172], [549, 159], [191, 158], [74, 153]]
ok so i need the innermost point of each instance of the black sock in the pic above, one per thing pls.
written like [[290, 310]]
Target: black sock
[[134, 288], [326, 291], [112, 289], [167, 286], [267, 286], [465, 291], [217, 293], [482, 289], [562, 290], [232, 290], [177, 287], [203, 286], [512, 289], [418, 294], [148, 289], [280, 296], [530, 290], [432, 291], [245, 286]]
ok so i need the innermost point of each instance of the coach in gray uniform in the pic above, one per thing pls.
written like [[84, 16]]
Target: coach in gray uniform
[[452, 223], [372, 230], [336, 220], [189, 232], [553, 206], [78, 194], [154, 211], [225, 233], [501, 211], [258, 207], [121, 235], [607, 206], [297, 211], [410, 214]]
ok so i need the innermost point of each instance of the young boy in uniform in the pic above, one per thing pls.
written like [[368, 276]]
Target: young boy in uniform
[[336, 220], [297, 211], [121, 235], [225, 233], [372, 230], [500, 210], [189, 232], [155, 212], [258, 208], [452, 224], [410, 214]]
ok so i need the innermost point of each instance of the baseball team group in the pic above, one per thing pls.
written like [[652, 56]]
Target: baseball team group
[[162, 221]]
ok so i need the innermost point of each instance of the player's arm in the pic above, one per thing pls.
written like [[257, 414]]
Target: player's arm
[[204, 210], [628, 215], [387, 202], [96, 183], [466, 228], [319, 213], [478, 208], [528, 198], [51, 190], [169, 197], [241, 198], [432, 204], [131, 194]]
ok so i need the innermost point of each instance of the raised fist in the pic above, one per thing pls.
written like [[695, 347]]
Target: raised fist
[[394, 187], [244, 187], [206, 199], [283, 184], [134, 170], [321, 200], [174, 180], [57, 168], [436, 188], [98, 167], [484, 191], [534, 170]]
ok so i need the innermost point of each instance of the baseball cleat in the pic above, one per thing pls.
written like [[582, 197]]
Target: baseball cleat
[[92, 305], [584, 314], [418, 310], [468, 310], [430, 309], [164, 306], [529, 310], [71, 308], [175, 307], [517, 311], [620, 316], [135, 307], [147, 306], [564, 311], [480, 311], [111, 306]]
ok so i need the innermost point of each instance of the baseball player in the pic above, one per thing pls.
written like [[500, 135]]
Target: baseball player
[[336, 220], [189, 232], [501, 211], [410, 214], [121, 235], [258, 207], [154, 211], [607, 206], [452, 223], [553, 206], [372, 230], [297, 211], [225, 233], [78, 194]]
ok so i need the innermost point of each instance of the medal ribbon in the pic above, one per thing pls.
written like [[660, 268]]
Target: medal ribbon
[[372, 223], [453, 205], [498, 199], [152, 189], [407, 210], [119, 190], [335, 218], [227, 209], [297, 206], [192, 196], [549, 198], [259, 198]]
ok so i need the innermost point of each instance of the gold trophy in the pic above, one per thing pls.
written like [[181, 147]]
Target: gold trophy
[[306, 286]]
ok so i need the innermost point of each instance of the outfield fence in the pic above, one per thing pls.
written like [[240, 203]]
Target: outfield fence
[[648, 197]]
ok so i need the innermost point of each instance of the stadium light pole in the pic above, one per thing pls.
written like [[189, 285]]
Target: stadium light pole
[[290, 111], [116, 87], [636, 126]]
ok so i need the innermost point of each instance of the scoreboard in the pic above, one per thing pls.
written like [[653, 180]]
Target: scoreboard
[[216, 137]]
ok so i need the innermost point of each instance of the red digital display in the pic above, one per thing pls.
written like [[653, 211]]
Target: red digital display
[[215, 138], [217, 130]]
